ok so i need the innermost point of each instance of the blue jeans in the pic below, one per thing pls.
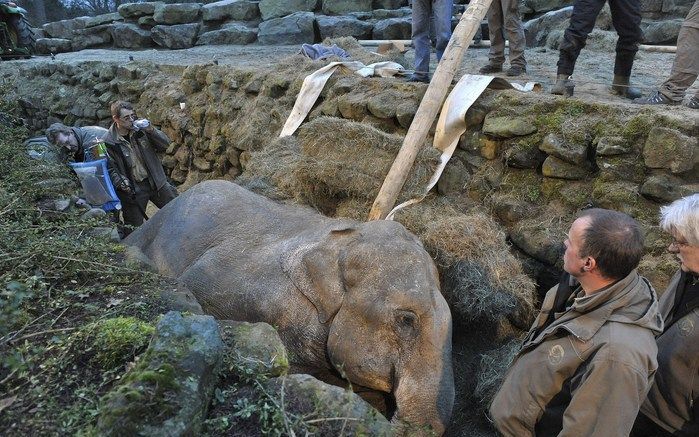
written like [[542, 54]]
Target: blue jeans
[[437, 12]]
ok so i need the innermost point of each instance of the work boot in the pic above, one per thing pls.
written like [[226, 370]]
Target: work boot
[[656, 98], [490, 68], [516, 70], [563, 86], [693, 103], [419, 78], [621, 87]]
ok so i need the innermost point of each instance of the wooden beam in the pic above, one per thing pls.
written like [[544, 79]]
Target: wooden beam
[[429, 107], [486, 43]]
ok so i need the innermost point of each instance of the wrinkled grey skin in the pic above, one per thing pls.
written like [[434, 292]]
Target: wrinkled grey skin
[[362, 298]]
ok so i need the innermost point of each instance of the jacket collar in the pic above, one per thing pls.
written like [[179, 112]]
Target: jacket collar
[[630, 300]]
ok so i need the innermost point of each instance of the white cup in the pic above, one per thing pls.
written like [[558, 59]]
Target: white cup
[[182, 105]]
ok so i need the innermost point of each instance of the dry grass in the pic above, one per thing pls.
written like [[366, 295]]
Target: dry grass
[[352, 159], [482, 279]]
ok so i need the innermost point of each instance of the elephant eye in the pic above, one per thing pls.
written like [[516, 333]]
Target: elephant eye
[[406, 322]]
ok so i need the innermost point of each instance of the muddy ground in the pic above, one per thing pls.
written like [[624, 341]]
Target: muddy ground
[[592, 76]]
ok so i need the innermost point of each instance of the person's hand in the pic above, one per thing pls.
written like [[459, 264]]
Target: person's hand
[[125, 186]]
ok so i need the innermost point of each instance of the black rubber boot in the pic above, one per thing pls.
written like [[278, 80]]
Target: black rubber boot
[[621, 87], [563, 86]]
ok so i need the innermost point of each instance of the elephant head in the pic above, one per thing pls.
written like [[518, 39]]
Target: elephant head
[[389, 328]]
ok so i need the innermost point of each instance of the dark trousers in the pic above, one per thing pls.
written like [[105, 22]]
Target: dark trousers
[[626, 17], [644, 427], [133, 208]]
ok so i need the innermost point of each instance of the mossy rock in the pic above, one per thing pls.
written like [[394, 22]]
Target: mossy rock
[[508, 127], [253, 350], [625, 197], [670, 149], [168, 392], [116, 341], [559, 169]]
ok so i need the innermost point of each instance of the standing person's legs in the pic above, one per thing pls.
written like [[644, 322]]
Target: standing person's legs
[[496, 56], [442, 10], [421, 37], [515, 33], [132, 207], [581, 24], [164, 195], [626, 17], [685, 68]]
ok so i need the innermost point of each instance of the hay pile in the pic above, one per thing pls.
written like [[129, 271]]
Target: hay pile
[[341, 158], [482, 279]]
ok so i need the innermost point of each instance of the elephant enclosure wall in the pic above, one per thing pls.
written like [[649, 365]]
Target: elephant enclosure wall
[[497, 219]]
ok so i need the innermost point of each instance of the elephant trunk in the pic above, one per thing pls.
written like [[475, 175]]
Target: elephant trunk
[[426, 401]]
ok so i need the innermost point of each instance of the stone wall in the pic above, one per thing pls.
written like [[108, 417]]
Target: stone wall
[[532, 171], [183, 25]]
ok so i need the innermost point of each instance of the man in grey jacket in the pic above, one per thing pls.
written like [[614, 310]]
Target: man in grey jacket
[[589, 358], [671, 407], [76, 141], [135, 169]]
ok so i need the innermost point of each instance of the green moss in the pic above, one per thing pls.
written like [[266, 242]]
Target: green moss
[[117, 340]]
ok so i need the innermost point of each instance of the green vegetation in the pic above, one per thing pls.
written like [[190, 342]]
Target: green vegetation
[[59, 279]]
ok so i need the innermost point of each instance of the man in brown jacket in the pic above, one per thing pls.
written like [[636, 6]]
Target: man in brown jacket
[[134, 167], [671, 407], [589, 359]]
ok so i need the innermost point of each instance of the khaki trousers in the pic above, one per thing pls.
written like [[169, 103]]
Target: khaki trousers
[[504, 21], [685, 68]]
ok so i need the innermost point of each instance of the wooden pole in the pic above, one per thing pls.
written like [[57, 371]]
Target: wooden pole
[[429, 107], [486, 43]]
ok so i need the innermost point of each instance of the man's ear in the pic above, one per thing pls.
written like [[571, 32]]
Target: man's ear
[[590, 264], [316, 271]]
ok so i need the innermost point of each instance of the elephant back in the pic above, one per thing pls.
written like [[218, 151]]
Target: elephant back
[[214, 212]]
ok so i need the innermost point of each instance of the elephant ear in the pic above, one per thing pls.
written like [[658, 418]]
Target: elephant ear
[[315, 269]]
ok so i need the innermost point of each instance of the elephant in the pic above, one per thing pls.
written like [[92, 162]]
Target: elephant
[[361, 299]]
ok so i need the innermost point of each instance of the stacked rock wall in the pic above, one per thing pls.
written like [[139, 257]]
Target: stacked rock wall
[[183, 25]]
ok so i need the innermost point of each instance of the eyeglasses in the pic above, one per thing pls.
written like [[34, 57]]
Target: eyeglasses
[[130, 117], [679, 244]]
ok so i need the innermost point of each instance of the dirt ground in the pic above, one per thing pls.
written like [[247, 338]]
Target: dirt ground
[[593, 73]]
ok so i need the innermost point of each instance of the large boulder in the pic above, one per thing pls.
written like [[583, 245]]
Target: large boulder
[[130, 36], [661, 32], [393, 28], [280, 8], [135, 10], [339, 411], [297, 28], [651, 6], [178, 36], [342, 7], [45, 46], [537, 30], [232, 33], [255, 347], [92, 37], [677, 8], [333, 27], [98, 20], [239, 10], [178, 13], [670, 149], [64, 28], [168, 392]]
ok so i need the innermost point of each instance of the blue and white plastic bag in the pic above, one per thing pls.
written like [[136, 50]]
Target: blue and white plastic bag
[[98, 188]]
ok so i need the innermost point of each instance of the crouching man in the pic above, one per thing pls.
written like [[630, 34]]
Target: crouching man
[[589, 359], [671, 407], [76, 142], [135, 169]]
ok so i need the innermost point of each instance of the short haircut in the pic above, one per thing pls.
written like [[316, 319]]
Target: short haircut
[[682, 217], [55, 129], [614, 240], [117, 106]]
